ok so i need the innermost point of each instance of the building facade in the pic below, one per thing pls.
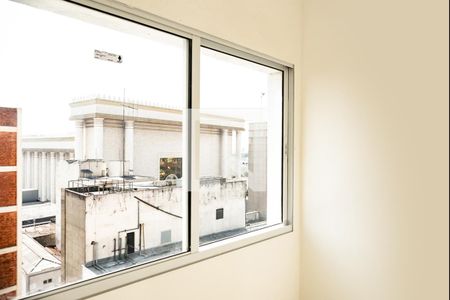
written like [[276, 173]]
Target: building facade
[[111, 227], [10, 203]]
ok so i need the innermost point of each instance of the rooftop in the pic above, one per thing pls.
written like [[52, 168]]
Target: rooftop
[[36, 258], [148, 255]]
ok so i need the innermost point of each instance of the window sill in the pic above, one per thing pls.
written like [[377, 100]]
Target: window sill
[[105, 283]]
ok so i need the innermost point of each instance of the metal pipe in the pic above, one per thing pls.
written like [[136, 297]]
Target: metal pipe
[[126, 248], [94, 261], [120, 247], [140, 238], [115, 241]]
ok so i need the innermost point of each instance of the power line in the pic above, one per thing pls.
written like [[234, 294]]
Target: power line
[[157, 208]]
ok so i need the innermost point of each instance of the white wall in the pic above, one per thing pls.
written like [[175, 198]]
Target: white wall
[[150, 146], [113, 141], [231, 197], [108, 214], [210, 146], [375, 190], [268, 270]]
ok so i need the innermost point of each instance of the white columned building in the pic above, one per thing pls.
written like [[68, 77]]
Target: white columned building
[[98, 138], [79, 139], [35, 170], [129, 143], [52, 177], [238, 153], [28, 170], [43, 178], [225, 145]]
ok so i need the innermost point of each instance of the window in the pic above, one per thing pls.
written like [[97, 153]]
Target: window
[[246, 100], [166, 237], [101, 105], [170, 167], [219, 213], [142, 142]]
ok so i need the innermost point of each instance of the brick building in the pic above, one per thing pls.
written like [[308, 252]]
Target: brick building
[[9, 203]]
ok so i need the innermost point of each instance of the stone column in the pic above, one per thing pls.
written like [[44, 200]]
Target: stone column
[[129, 143], [79, 139], [60, 183], [225, 145], [52, 177], [44, 181], [238, 153], [24, 170], [28, 170], [35, 171], [98, 138]]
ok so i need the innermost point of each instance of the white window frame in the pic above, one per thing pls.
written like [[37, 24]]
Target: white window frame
[[195, 252]]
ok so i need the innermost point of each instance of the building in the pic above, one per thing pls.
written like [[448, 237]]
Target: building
[[127, 139], [107, 227], [257, 173], [142, 136], [145, 135], [40, 269], [10, 203], [117, 142]]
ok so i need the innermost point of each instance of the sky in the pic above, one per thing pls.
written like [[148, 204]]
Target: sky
[[48, 61]]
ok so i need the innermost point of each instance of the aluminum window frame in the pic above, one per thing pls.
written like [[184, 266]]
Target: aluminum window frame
[[195, 253]]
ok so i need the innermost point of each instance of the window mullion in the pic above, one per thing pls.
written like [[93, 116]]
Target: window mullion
[[194, 145]]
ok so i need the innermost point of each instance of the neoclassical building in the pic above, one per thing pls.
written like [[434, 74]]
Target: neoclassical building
[[132, 139], [126, 139]]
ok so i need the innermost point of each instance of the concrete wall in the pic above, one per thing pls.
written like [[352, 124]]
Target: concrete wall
[[74, 237], [36, 282], [107, 216], [65, 172], [375, 190], [36, 211], [272, 27], [257, 170], [230, 196]]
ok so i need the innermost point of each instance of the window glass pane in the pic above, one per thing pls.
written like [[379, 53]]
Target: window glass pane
[[241, 146], [102, 103]]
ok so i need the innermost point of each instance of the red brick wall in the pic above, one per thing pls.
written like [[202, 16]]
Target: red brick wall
[[8, 190], [8, 265], [8, 149], [8, 203], [8, 229], [8, 117]]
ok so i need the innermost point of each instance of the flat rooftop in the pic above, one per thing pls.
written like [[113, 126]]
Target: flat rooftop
[[149, 255]]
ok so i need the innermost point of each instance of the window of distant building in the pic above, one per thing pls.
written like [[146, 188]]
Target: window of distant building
[[166, 236], [219, 213], [170, 166]]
